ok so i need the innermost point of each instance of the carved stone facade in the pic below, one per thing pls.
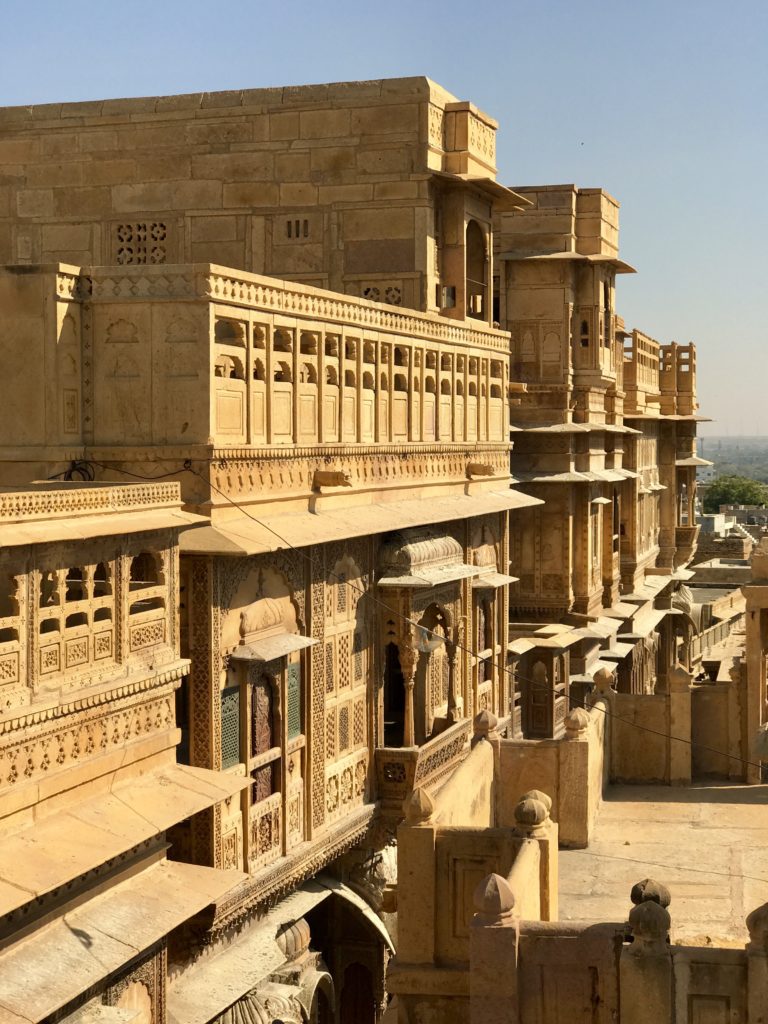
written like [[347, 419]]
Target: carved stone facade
[[88, 776]]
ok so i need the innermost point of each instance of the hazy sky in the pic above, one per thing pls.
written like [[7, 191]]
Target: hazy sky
[[662, 104]]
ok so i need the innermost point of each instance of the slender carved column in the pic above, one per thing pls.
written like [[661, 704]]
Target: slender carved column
[[407, 655]]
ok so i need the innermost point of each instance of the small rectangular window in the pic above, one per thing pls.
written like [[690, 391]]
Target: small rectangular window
[[230, 727], [294, 700]]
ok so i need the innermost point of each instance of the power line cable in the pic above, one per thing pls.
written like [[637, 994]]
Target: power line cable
[[574, 701]]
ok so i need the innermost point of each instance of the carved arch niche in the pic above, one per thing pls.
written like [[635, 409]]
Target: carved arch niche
[[261, 592]]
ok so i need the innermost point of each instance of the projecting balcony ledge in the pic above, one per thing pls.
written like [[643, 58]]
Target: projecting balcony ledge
[[399, 770]]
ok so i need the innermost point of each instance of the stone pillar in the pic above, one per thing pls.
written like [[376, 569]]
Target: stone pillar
[[454, 651], [757, 966], [605, 680], [407, 655], [574, 783], [494, 939], [645, 966], [484, 728], [532, 821], [679, 726], [416, 880]]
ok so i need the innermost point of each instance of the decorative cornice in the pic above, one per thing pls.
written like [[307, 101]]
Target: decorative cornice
[[47, 503], [107, 695], [268, 887], [271, 295]]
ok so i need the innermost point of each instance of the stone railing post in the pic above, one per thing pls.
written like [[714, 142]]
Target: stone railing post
[[645, 967], [757, 966], [494, 939], [532, 821], [484, 728], [605, 682], [574, 783], [416, 880], [679, 726]]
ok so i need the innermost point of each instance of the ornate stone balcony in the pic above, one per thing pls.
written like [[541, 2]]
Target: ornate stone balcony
[[400, 770], [685, 543]]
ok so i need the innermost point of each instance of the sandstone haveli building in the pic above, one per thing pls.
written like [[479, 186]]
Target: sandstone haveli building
[[356, 466]]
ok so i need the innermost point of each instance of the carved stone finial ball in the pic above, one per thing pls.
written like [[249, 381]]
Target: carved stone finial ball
[[760, 744], [649, 922], [604, 680], [418, 806], [650, 891], [493, 897], [757, 926], [577, 721], [537, 794], [530, 813], [484, 722]]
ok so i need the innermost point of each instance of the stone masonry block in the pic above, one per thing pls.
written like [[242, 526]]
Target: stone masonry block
[[248, 193], [298, 194], [49, 173], [14, 151], [36, 202], [292, 166], [196, 194], [57, 237], [82, 202], [97, 141], [332, 160], [385, 119], [234, 166], [108, 172], [284, 126], [219, 133], [163, 168], [345, 193], [385, 161], [324, 124], [389, 223], [213, 229], [140, 198]]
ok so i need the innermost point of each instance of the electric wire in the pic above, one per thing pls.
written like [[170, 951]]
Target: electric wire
[[574, 701]]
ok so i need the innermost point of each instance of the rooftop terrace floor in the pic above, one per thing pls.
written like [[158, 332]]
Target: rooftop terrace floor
[[707, 843]]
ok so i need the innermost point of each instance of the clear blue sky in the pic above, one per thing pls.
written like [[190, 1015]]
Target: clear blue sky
[[663, 104]]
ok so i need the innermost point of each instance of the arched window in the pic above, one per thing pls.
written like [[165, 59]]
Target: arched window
[[368, 381], [476, 270], [429, 384], [146, 583], [401, 356], [446, 363], [259, 372], [445, 387], [431, 363], [349, 379], [9, 609], [282, 374], [307, 374], [282, 341], [308, 344], [350, 349], [401, 382], [229, 332], [331, 376], [74, 586]]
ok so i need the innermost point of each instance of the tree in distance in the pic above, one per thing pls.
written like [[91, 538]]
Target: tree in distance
[[734, 490]]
